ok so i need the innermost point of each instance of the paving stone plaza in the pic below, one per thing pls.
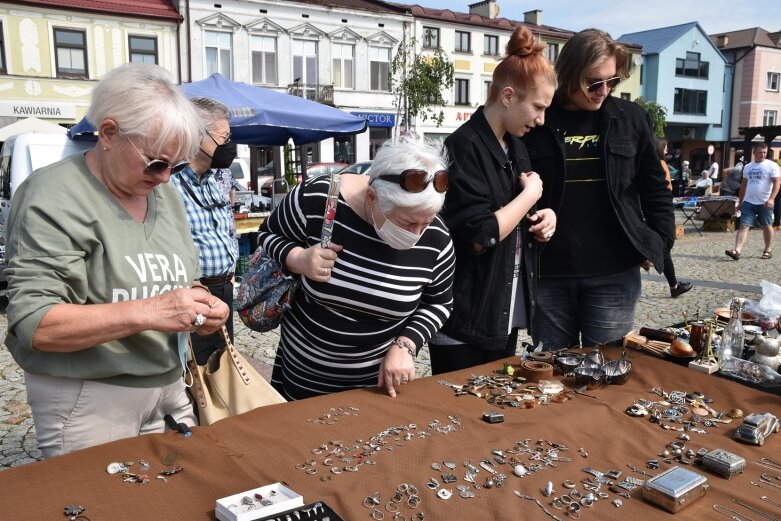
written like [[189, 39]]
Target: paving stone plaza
[[699, 259]]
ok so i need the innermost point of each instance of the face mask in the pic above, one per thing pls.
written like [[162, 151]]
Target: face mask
[[223, 155], [395, 236]]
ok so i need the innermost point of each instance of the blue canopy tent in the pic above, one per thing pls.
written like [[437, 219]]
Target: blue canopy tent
[[266, 117]]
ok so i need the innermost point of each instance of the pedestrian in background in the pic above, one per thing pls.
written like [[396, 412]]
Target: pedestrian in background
[[758, 191], [597, 159], [492, 192]]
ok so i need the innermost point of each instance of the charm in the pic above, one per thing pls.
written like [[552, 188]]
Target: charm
[[548, 490], [444, 493]]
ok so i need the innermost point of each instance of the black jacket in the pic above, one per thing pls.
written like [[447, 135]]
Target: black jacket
[[482, 180], [636, 182]]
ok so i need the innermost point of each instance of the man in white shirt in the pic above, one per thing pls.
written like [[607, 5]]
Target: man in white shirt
[[758, 190], [713, 172], [701, 187]]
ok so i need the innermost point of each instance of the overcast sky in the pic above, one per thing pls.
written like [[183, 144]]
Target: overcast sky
[[628, 16]]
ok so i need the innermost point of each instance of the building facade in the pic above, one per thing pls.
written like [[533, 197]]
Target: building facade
[[53, 52], [756, 86], [688, 76]]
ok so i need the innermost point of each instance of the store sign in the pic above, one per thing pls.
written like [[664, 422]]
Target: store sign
[[463, 116], [23, 109], [377, 119]]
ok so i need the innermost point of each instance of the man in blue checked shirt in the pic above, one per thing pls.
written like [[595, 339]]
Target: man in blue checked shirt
[[209, 216]]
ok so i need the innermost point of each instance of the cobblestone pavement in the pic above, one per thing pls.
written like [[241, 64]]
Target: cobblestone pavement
[[701, 260]]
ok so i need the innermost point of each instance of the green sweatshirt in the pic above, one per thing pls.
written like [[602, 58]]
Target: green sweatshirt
[[70, 241]]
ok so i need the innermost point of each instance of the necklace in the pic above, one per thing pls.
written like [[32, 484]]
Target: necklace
[[721, 509], [755, 510]]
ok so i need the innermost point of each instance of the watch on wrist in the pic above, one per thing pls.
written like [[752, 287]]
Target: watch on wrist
[[404, 344]]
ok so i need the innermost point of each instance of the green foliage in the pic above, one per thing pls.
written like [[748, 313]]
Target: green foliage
[[657, 112], [417, 78]]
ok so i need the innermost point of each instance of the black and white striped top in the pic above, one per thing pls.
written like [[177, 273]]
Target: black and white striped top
[[337, 333]]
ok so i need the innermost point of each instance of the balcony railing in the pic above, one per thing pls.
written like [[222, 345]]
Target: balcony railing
[[315, 92]]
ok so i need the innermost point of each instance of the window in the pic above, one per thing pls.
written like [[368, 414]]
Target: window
[[486, 89], [218, 53], [627, 96], [142, 49], [691, 67], [3, 66], [379, 67], [553, 52], [70, 52], [343, 65], [430, 37], [463, 42], [264, 59], [491, 45], [462, 91], [690, 101], [305, 62], [772, 81], [344, 149], [769, 118]]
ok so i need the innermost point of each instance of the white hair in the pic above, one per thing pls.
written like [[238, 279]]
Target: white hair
[[397, 155], [144, 101]]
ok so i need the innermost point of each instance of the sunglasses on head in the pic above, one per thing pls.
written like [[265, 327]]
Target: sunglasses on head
[[157, 166], [610, 82], [415, 180]]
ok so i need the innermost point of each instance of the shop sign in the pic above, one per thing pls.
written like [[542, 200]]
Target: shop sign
[[463, 116], [377, 119], [24, 109]]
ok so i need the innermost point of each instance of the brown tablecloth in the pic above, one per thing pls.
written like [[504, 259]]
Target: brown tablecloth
[[264, 446]]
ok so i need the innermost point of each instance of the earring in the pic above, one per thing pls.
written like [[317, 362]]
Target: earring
[[105, 148]]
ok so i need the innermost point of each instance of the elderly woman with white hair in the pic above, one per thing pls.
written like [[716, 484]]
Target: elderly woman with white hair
[[367, 304], [101, 271]]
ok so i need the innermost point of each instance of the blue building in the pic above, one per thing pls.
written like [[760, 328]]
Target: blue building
[[686, 73]]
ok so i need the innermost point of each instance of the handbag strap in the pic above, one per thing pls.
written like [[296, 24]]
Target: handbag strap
[[330, 211], [236, 360]]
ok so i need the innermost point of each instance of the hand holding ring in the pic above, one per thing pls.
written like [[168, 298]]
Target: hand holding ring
[[199, 320], [324, 270]]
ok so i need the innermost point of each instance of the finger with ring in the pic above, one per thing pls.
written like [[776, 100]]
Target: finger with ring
[[199, 320]]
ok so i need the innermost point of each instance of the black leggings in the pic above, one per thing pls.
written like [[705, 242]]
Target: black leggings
[[446, 358]]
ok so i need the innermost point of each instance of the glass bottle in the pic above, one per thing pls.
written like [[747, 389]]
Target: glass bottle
[[733, 336]]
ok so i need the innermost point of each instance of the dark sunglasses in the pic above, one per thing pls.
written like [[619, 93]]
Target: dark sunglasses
[[610, 82], [157, 166], [415, 180]]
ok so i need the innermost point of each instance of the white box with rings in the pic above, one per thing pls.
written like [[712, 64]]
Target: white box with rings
[[257, 503]]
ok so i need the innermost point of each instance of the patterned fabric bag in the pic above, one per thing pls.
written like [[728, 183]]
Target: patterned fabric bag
[[266, 292]]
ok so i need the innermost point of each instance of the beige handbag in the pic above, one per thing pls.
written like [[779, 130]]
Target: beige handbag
[[227, 385]]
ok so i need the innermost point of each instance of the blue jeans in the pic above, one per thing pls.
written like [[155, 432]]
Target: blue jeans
[[586, 311], [750, 212]]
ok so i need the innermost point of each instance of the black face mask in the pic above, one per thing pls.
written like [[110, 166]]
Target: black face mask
[[223, 155]]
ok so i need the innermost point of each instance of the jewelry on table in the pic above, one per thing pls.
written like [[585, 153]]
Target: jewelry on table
[[721, 509], [755, 510]]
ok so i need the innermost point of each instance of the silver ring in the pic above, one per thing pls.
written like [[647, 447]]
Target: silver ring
[[325, 271], [550, 234], [199, 320]]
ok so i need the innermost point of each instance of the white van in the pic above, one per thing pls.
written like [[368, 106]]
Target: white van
[[20, 156]]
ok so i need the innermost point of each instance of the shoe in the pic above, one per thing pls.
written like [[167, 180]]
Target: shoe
[[766, 255], [735, 254], [679, 289]]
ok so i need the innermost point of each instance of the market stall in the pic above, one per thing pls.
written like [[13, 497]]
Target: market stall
[[353, 451]]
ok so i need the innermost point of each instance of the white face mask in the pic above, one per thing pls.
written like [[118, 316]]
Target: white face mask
[[393, 235]]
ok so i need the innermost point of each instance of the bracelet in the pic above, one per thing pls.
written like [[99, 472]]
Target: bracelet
[[404, 344]]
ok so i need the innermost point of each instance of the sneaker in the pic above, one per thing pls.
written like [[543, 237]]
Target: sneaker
[[679, 289]]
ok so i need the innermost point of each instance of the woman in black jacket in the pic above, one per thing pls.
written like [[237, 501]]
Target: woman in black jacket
[[492, 191], [597, 156]]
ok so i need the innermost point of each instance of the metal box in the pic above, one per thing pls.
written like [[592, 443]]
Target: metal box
[[675, 489], [724, 463]]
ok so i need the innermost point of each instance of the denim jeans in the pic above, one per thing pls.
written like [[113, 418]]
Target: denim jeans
[[586, 311]]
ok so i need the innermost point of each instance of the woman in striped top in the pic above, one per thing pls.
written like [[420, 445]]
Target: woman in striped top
[[367, 304]]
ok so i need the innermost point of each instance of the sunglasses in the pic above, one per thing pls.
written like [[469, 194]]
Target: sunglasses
[[610, 82], [157, 166], [226, 138], [415, 181]]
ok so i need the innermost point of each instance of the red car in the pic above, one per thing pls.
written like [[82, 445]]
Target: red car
[[313, 170]]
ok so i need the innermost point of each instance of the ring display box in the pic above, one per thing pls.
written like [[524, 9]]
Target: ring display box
[[258, 503], [723, 462]]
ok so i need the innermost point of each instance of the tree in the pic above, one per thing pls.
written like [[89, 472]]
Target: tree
[[416, 80], [657, 112]]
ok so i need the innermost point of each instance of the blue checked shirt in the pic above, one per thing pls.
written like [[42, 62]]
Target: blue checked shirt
[[212, 227]]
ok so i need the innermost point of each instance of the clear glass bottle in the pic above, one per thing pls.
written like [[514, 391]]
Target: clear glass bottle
[[733, 337]]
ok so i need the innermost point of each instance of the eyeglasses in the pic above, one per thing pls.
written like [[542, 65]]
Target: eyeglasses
[[415, 180], [226, 138], [158, 166], [610, 82]]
